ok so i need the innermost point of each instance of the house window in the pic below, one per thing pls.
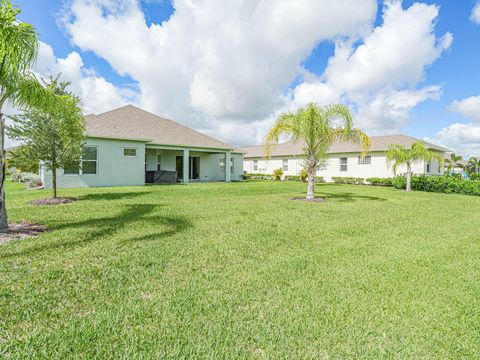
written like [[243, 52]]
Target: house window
[[86, 165], [231, 165], [285, 165], [255, 165], [343, 164], [366, 160], [130, 152], [89, 160], [428, 168], [222, 165], [159, 162]]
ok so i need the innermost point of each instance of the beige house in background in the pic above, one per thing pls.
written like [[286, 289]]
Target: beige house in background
[[344, 159]]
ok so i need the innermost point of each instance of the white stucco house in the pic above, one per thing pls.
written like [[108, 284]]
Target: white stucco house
[[344, 159], [130, 146]]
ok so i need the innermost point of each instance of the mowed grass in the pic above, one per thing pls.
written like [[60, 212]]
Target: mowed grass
[[240, 271]]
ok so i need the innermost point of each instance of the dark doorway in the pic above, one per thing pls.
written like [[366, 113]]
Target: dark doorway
[[194, 167]]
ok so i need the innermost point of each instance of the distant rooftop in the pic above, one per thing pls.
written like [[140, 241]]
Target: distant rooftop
[[379, 143]]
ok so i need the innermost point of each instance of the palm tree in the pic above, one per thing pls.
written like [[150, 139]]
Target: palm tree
[[318, 127], [473, 165], [399, 155], [18, 86], [453, 162]]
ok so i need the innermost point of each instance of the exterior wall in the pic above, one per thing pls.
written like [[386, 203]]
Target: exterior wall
[[113, 169], [377, 168]]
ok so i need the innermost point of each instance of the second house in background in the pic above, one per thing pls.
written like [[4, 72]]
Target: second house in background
[[344, 159]]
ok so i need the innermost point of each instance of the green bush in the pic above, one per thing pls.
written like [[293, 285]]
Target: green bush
[[29, 179], [257, 176], [318, 179], [376, 181], [348, 180], [277, 174], [474, 176], [442, 184]]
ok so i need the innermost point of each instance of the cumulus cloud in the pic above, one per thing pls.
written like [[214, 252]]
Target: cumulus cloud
[[468, 108], [475, 15], [213, 62], [96, 93], [376, 77]]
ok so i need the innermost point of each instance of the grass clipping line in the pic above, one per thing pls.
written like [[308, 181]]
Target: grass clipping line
[[53, 201]]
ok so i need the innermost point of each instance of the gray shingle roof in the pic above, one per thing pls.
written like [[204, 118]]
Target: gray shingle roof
[[379, 143], [130, 122]]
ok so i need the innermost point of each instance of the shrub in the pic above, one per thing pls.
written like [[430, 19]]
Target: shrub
[[303, 175], [474, 176], [277, 174], [29, 179], [348, 180], [399, 182], [256, 176], [441, 184], [376, 181], [318, 179]]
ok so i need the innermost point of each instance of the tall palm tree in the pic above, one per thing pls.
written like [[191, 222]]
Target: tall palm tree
[[399, 155], [453, 162], [318, 127], [18, 86], [473, 165]]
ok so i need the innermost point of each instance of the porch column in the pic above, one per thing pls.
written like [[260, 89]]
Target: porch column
[[186, 165], [228, 175]]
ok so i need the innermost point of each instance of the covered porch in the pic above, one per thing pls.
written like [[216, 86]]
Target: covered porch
[[168, 164]]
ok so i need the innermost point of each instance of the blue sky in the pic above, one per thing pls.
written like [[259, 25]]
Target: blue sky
[[455, 69]]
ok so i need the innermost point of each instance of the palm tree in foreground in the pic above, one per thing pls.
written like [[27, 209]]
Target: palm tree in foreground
[[453, 162], [318, 127], [399, 155], [18, 86]]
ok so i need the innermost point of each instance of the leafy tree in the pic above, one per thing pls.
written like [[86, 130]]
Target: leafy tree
[[453, 162], [399, 155], [52, 137], [18, 86], [318, 127], [20, 159], [473, 165]]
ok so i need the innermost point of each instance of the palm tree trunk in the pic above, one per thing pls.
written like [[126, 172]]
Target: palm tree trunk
[[3, 210], [54, 172], [311, 179], [409, 177]]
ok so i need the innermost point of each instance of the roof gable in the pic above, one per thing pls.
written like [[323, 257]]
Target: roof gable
[[133, 123]]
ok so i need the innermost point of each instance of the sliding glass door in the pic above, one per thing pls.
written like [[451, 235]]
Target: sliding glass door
[[194, 167]]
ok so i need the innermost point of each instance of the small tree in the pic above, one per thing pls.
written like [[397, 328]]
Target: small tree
[[453, 162], [318, 127], [21, 160], [18, 86], [54, 137], [473, 165], [277, 174], [399, 155]]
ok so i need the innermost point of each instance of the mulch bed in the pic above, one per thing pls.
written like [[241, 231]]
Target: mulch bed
[[54, 201], [315, 200], [21, 231]]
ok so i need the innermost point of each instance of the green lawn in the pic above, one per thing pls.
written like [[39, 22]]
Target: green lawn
[[239, 271]]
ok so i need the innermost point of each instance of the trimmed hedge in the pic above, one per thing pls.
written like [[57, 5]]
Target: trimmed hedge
[[318, 179], [348, 180], [257, 176], [441, 184], [377, 181]]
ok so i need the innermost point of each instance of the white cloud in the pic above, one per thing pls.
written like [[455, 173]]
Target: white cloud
[[96, 93], [468, 108], [376, 77], [475, 15], [462, 138], [214, 62]]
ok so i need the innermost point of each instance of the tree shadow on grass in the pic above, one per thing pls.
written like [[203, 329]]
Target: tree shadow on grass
[[348, 197], [95, 229]]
